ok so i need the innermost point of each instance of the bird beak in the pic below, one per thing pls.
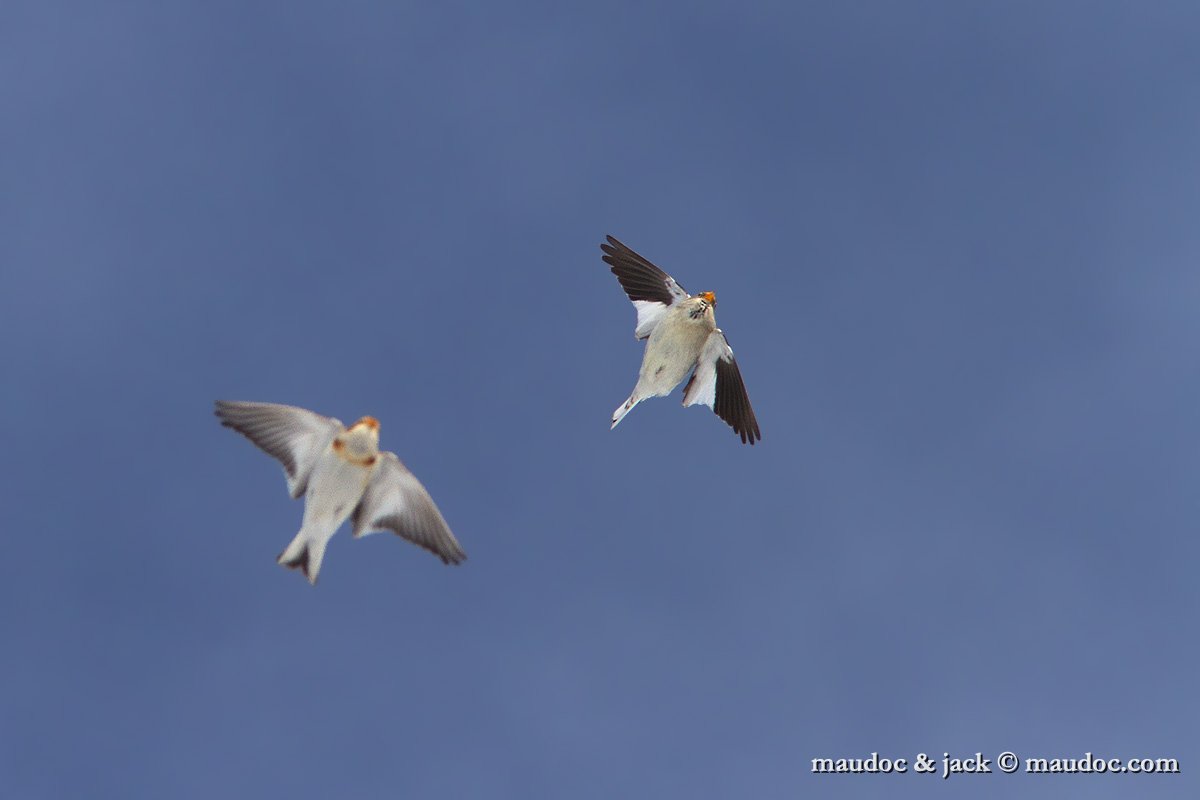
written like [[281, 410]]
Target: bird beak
[[710, 297]]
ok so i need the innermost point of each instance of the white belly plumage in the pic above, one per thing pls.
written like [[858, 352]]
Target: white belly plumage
[[671, 353], [334, 490]]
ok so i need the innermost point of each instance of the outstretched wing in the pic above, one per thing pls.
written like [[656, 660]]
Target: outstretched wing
[[294, 436], [651, 290], [396, 501], [717, 383]]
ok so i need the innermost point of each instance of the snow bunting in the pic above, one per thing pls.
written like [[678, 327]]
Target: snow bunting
[[341, 474], [683, 336]]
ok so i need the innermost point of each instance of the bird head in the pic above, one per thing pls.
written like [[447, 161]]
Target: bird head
[[362, 437], [367, 425], [700, 305]]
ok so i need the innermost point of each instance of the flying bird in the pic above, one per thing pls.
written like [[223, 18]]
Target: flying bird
[[341, 474], [682, 336]]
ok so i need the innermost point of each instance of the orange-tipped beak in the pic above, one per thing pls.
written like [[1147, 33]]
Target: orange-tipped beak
[[710, 297], [370, 422]]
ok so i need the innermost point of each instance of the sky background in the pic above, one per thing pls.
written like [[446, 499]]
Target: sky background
[[955, 249]]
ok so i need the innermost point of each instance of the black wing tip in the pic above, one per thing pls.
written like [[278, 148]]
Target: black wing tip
[[746, 427], [638, 276], [733, 403], [751, 434], [614, 248]]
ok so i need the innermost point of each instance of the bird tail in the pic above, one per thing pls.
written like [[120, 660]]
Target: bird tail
[[624, 409], [304, 554]]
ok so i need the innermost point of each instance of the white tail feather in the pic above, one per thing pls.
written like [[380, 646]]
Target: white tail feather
[[305, 554], [624, 409]]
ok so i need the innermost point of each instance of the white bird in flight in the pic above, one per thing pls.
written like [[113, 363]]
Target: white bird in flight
[[341, 473], [683, 336]]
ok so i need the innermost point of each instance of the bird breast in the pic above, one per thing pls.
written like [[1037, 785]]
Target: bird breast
[[673, 349], [683, 332], [357, 450]]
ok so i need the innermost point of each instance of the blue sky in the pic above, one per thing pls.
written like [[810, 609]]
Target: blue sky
[[955, 250]]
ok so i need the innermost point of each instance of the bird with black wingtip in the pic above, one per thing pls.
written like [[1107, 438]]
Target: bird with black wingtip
[[682, 336]]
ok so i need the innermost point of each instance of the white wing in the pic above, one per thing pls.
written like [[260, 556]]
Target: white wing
[[717, 383], [649, 314], [650, 289], [396, 501], [295, 436]]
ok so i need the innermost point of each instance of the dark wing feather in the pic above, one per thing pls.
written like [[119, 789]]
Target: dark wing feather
[[640, 279], [717, 383], [732, 403]]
